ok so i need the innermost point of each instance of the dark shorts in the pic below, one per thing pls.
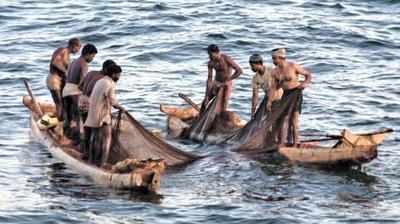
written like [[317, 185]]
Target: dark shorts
[[299, 101]]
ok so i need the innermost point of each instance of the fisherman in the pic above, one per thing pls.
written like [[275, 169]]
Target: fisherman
[[260, 81], [57, 74], [286, 76], [76, 72], [223, 66], [86, 86], [98, 121]]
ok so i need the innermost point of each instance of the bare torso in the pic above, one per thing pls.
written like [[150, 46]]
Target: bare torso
[[223, 70], [287, 77]]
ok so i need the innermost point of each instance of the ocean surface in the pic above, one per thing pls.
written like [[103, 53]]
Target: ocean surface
[[352, 48]]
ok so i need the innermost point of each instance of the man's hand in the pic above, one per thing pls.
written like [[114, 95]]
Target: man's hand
[[119, 107], [302, 85], [221, 84]]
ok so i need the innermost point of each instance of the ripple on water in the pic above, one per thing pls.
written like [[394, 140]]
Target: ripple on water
[[349, 46]]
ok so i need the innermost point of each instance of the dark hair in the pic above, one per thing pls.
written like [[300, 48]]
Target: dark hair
[[212, 49], [107, 63], [256, 59], [112, 69], [89, 49], [74, 42]]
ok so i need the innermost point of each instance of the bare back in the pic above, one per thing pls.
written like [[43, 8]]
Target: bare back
[[59, 61], [77, 71]]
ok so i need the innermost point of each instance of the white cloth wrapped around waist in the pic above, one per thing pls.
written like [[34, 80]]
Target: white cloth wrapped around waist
[[71, 89], [83, 103]]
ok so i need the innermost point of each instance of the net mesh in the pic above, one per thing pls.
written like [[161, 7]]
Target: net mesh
[[264, 132], [132, 140]]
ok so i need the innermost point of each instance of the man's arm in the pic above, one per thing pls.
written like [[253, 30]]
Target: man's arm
[[272, 90], [84, 71], [236, 67], [254, 101], [307, 76], [113, 99], [60, 61], [209, 82]]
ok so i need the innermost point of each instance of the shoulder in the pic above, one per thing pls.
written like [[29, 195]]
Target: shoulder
[[91, 74], [226, 57], [254, 78], [292, 64], [82, 63], [268, 69], [62, 51], [274, 71]]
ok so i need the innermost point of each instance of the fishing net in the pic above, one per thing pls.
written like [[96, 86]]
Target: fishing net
[[274, 127], [132, 140], [263, 132], [213, 125]]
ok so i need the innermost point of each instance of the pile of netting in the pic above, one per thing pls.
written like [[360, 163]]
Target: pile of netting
[[132, 140], [263, 132]]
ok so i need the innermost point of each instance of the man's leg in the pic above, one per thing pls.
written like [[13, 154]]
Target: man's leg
[[57, 98], [226, 95], [106, 146], [284, 131], [67, 112], [76, 117], [85, 149], [95, 140], [295, 127]]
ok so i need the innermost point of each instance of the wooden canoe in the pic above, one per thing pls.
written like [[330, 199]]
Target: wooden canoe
[[146, 178], [350, 149]]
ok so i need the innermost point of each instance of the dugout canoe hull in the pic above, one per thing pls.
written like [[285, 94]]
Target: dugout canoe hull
[[351, 149], [146, 179]]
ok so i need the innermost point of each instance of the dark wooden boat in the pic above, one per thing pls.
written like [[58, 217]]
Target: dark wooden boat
[[350, 149], [145, 177]]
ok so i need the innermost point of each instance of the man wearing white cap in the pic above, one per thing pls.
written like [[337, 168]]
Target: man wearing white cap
[[286, 76]]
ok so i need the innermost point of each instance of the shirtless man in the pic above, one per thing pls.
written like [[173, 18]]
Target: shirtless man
[[99, 121], [87, 84], [286, 76], [58, 68], [223, 66], [261, 80], [76, 72]]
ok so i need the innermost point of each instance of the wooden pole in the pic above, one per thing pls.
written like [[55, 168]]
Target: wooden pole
[[36, 105], [189, 101]]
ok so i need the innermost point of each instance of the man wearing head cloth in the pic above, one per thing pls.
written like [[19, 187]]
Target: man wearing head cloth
[[260, 81], [286, 76]]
